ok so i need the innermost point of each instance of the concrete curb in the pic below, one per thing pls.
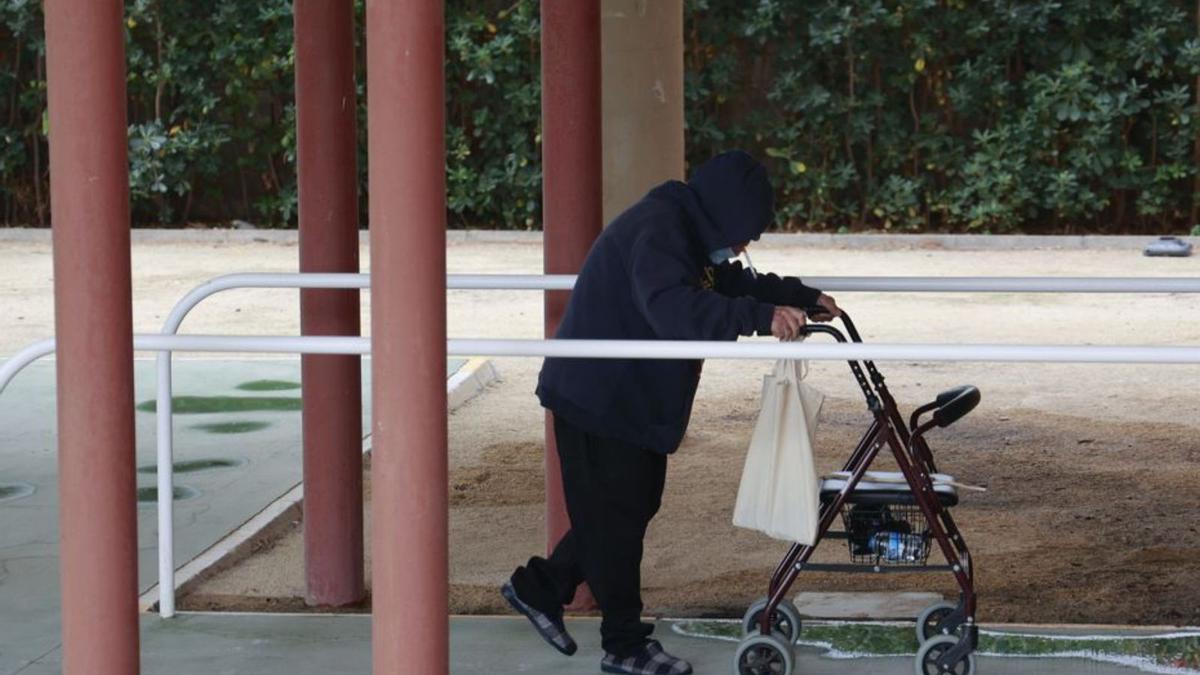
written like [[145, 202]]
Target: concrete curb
[[860, 605], [263, 527], [470, 381], [869, 242], [233, 547], [221, 236]]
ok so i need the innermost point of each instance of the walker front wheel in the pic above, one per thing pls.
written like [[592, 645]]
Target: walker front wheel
[[785, 620], [764, 655], [929, 653]]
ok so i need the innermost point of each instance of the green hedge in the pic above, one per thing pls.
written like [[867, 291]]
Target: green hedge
[[901, 115], [210, 116], [975, 115]]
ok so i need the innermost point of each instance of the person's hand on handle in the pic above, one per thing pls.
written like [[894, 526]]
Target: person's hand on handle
[[830, 306], [787, 323]]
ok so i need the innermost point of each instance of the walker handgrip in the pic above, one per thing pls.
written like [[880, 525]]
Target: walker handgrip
[[959, 402], [817, 313]]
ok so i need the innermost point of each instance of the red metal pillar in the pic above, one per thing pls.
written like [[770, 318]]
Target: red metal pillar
[[89, 200], [332, 385], [572, 211], [406, 128]]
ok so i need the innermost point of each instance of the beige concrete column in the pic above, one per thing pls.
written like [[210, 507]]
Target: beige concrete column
[[642, 95]]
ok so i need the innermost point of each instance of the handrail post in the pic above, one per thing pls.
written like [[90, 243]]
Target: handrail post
[[165, 473]]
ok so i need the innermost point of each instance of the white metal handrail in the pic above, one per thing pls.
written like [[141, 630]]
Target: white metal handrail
[[652, 349], [647, 349], [17, 362], [557, 282], [181, 309], [844, 351]]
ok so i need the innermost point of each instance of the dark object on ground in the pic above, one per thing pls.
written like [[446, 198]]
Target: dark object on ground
[[1173, 247]]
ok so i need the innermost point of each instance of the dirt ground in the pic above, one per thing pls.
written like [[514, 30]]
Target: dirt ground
[[1093, 470], [1085, 521]]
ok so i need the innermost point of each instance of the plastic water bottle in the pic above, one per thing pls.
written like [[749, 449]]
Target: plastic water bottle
[[898, 547]]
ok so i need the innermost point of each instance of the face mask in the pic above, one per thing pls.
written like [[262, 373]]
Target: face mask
[[721, 255]]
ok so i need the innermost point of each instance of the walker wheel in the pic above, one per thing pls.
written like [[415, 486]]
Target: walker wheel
[[764, 655], [927, 658], [785, 620], [927, 622]]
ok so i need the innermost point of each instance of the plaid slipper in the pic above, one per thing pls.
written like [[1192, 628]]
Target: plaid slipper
[[551, 628], [652, 660]]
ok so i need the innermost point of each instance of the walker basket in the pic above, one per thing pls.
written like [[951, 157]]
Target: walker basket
[[868, 523]]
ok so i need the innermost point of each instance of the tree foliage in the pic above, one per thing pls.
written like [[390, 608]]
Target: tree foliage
[[900, 115], [975, 115], [493, 98]]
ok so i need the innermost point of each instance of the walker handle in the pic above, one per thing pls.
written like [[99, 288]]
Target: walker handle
[[818, 313]]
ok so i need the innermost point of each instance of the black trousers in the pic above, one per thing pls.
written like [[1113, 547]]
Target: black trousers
[[612, 491]]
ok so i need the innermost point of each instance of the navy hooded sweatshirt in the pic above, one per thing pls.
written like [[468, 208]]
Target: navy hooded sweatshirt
[[649, 276]]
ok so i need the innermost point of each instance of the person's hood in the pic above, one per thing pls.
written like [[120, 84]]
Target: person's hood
[[729, 200]]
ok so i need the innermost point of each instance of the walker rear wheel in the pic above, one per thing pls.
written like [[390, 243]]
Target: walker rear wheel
[[927, 622], [764, 655], [785, 620]]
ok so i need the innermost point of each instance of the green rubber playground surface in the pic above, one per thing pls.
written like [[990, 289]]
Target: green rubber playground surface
[[236, 449]]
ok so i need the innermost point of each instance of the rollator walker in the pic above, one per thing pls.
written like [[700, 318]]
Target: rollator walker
[[890, 521]]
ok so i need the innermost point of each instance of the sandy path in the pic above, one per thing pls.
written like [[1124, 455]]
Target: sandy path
[[163, 272]]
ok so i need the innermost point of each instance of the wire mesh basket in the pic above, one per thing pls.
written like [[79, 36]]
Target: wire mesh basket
[[887, 534]]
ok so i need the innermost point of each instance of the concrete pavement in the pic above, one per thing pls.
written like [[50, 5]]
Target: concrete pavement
[[224, 644]]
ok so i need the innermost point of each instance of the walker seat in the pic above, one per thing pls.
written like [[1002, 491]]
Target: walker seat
[[886, 487]]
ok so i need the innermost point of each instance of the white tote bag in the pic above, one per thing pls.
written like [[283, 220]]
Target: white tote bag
[[780, 490]]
